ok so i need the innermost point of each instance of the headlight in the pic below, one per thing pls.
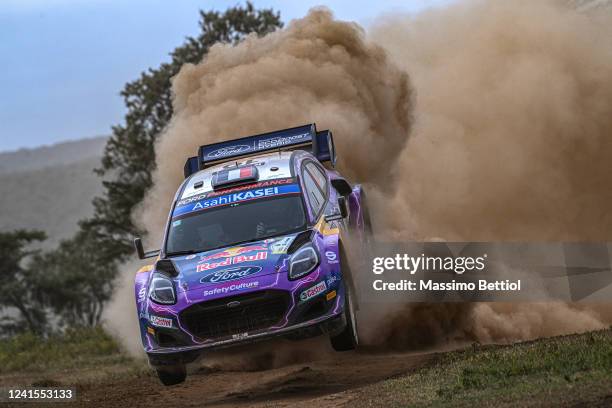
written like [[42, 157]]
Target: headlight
[[304, 261], [161, 290]]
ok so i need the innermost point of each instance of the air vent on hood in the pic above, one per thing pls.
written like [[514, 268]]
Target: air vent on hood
[[166, 266], [300, 239]]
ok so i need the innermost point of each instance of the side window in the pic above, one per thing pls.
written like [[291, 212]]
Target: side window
[[316, 198], [318, 176]]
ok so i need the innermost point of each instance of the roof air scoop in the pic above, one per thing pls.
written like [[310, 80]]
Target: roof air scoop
[[234, 176]]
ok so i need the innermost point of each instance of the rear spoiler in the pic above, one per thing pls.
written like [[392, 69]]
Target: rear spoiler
[[321, 143]]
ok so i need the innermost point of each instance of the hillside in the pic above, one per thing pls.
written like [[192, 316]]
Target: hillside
[[49, 188], [53, 155]]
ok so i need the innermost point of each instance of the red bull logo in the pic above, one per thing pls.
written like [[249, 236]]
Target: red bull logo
[[235, 251], [233, 260]]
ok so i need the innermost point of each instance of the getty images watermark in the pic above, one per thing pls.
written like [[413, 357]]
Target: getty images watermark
[[37, 394], [458, 265], [424, 272]]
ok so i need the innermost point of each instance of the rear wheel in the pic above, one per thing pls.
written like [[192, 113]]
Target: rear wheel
[[172, 375], [348, 339]]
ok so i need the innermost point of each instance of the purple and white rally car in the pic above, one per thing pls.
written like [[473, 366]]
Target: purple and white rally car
[[255, 247]]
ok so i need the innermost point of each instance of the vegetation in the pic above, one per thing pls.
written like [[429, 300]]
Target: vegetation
[[562, 371], [78, 276], [548, 371], [75, 348], [18, 283], [129, 157]]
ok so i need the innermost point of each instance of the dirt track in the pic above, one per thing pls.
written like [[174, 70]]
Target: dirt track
[[324, 382]]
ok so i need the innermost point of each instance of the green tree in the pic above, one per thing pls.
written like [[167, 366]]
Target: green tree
[[18, 283], [84, 266], [129, 158], [77, 282]]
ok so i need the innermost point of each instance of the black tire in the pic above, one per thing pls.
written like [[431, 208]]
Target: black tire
[[172, 375], [348, 339]]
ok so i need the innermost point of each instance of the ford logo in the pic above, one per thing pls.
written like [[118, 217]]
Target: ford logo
[[228, 151], [230, 274]]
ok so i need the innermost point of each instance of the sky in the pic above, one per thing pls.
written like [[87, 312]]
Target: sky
[[64, 62]]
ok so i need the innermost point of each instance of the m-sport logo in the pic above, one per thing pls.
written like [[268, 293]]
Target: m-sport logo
[[280, 141], [228, 151], [230, 274]]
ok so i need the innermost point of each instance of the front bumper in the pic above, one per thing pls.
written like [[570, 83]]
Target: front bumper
[[325, 325], [320, 314], [332, 324]]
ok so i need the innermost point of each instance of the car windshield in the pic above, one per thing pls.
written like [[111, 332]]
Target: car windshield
[[235, 223]]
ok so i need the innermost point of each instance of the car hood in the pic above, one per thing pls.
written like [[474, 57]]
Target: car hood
[[232, 264]]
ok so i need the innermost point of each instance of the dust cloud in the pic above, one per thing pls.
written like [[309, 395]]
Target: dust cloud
[[482, 120], [120, 317], [513, 130], [512, 140], [317, 70]]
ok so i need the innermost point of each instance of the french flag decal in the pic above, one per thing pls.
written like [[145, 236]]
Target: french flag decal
[[233, 176]]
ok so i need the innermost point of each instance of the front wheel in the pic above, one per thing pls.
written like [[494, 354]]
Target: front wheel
[[348, 339], [172, 375]]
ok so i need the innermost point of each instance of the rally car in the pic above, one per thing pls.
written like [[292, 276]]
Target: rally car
[[255, 247]]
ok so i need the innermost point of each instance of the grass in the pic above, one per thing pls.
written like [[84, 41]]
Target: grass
[[76, 348], [549, 372], [560, 371]]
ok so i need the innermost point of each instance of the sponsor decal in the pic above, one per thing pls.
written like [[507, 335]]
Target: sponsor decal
[[210, 194], [235, 198], [191, 199], [280, 141], [227, 199], [207, 266], [160, 321], [331, 257], [229, 274], [313, 291], [142, 294], [280, 246], [231, 288], [332, 279], [233, 251], [258, 142], [240, 336], [261, 184], [228, 151]]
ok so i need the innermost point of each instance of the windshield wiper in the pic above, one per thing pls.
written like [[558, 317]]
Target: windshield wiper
[[185, 252]]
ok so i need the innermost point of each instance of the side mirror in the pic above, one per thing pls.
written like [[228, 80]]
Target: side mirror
[[141, 252], [342, 207]]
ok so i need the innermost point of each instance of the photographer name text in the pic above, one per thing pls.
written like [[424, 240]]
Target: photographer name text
[[456, 266]]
